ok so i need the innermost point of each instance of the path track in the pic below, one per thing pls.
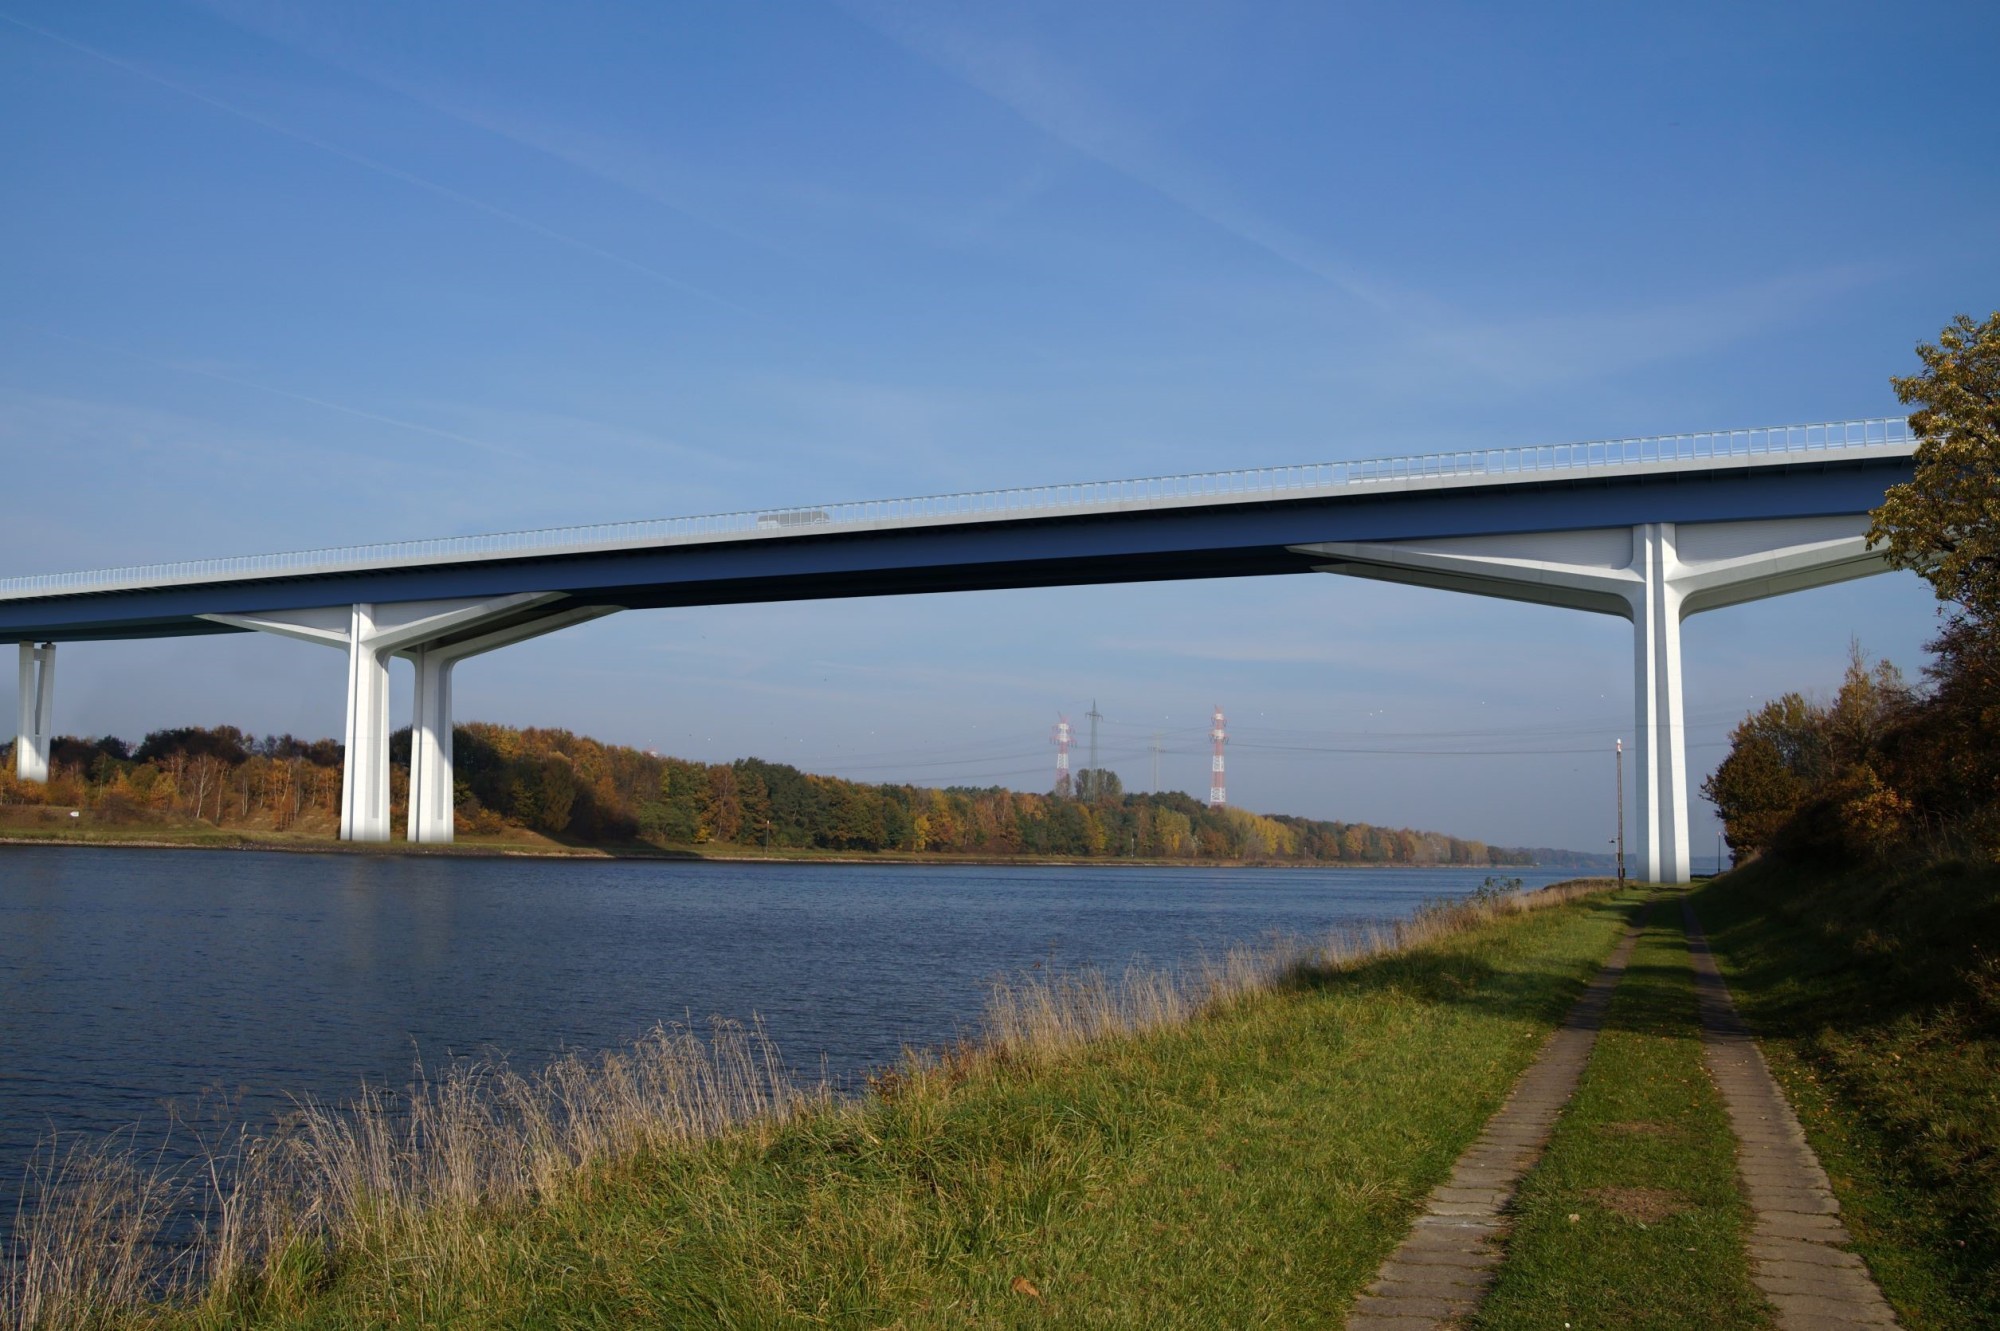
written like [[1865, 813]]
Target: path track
[[1798, 1246], [1798, 1251], [1443, 1269]]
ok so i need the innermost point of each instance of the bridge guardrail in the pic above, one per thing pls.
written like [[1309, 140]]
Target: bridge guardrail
[[1024, 501]]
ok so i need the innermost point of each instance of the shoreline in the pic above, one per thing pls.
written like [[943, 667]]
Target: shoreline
[[612, 854]]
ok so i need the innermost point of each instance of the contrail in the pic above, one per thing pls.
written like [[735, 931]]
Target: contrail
[[379, 167], [307, 398]]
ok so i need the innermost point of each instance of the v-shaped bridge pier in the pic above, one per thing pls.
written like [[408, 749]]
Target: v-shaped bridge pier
[[1654, 574]]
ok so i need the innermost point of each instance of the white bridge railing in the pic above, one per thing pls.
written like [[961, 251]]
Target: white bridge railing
[[1242, 485]]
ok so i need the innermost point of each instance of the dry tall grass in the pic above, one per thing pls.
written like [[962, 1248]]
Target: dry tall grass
[[104, 1230], [1043, 1017]]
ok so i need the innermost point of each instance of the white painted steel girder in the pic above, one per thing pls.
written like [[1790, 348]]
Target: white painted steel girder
[[1655, 575], [434, 636], [38, 709]]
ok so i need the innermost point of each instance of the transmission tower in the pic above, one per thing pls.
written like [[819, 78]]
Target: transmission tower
[[1156, 762], [1218, 795], [1062, 737], [1095, 716]]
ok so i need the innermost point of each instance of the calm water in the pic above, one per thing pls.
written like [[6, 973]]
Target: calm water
[[131, 979]]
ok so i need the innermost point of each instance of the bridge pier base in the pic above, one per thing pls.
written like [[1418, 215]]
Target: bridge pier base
[[1655, 574], [434, 636], [38, 704]]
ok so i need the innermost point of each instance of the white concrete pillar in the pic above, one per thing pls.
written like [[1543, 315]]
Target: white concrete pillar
[[432, 792], [364, 787], [24, 732], [1661, 734], [38, 707]]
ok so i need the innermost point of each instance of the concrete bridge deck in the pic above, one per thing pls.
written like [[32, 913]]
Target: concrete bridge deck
[[1651, 530]]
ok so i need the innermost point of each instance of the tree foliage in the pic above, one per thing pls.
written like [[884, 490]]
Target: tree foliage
[[1884, 769], [573, 787], [1945, 523], [1793, 751]]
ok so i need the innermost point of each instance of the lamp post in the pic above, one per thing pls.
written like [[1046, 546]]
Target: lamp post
[[1619, 748]]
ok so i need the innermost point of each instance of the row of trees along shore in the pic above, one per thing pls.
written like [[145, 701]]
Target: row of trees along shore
[[1887, 769], [578, 789]]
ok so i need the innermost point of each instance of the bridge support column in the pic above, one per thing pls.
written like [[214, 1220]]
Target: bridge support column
[[1656, 575], [433, 799], [364, 777], [38, 707], [435, 636], [1660, 731]]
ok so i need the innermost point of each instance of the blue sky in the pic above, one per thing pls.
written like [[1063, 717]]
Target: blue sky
[[286, 275]]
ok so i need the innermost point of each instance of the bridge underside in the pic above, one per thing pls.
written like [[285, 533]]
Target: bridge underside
[[1202, 541], [1650, 548]]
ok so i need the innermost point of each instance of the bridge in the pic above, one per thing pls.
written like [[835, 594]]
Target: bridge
[[1651, 530]]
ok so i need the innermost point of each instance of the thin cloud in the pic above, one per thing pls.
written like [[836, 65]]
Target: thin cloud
[[1550, 349], [615, 161], [1509, 351], [1036, 88], [182, 367], [372, 164]]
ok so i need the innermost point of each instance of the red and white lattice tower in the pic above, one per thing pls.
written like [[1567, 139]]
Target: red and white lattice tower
[[1218, 795], [1062, 737]]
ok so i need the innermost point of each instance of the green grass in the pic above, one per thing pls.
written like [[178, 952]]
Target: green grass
[[1251, 1168], [1634, 1218], [1877, 994]]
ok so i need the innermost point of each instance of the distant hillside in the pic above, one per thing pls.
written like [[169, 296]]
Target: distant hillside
[[579, 789]]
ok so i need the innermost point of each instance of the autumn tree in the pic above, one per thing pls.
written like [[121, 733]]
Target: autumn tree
[[1098, 785], [1944, 524], [1777, 756]]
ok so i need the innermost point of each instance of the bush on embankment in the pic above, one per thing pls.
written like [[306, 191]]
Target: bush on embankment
[[1240, 1145], [1877, 991]]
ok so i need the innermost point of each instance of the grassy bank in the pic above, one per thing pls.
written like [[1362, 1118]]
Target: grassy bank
[[1634, 1218], [1115, 1156], [1877, 994]]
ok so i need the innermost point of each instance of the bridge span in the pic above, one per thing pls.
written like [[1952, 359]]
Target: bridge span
[[1651, 530]]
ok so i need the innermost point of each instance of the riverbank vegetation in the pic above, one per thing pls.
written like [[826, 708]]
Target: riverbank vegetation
[[551, 786], [1875, 990], [1236, 1147]]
